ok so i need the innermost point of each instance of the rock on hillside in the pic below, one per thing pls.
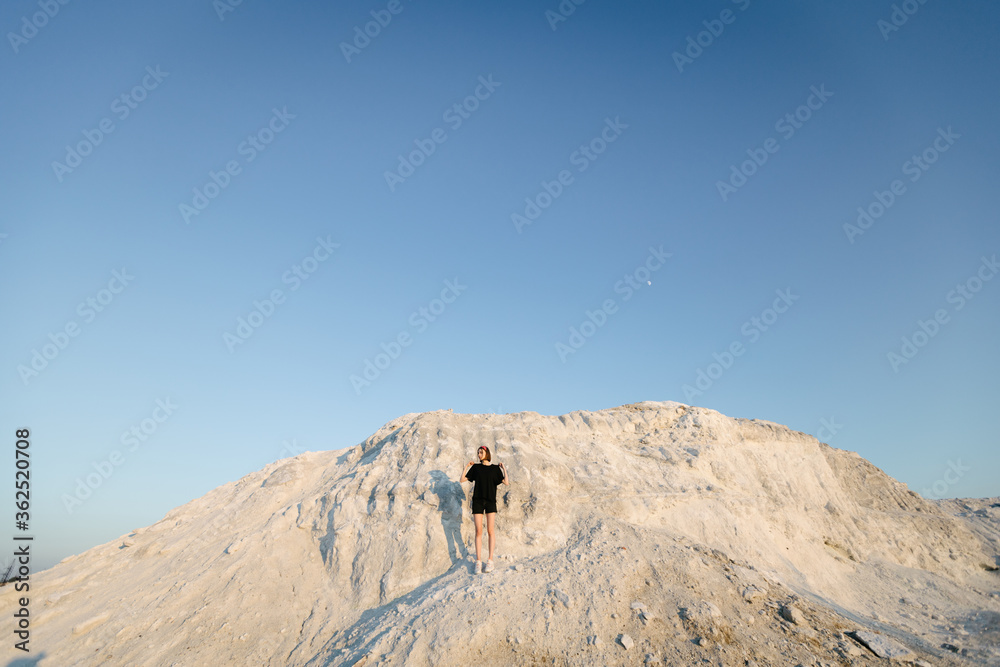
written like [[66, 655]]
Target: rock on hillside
[[684, 530]]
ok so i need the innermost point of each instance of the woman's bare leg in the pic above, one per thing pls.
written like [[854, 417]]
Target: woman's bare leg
[[478, 518], [490, 520]]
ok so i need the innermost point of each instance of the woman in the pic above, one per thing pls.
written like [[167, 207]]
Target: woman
[[484, 500]]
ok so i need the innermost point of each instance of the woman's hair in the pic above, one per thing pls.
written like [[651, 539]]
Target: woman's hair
[[488, 457]]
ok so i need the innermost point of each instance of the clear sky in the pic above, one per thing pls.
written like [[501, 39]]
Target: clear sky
[[519, 209]]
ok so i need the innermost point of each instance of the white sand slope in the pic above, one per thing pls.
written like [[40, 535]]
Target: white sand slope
[[649, 533]]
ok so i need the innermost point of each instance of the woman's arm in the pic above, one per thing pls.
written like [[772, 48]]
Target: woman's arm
[[506, 477], [464, 478]]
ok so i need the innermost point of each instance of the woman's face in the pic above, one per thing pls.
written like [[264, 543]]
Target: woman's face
[[482, 453]]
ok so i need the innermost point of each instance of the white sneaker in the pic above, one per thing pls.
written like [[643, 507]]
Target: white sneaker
[[479, 567], [489, 566]]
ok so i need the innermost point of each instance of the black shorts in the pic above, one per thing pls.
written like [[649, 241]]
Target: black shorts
[[483, 506]]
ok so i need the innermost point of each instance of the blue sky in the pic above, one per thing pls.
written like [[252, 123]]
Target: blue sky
[[640, 137]]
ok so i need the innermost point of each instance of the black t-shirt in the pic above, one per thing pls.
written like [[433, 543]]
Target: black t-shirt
[[487, 479]]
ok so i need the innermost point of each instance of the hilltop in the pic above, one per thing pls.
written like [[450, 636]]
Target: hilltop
[[649, 532]]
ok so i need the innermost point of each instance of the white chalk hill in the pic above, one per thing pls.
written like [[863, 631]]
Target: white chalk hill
[[654, 529]]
